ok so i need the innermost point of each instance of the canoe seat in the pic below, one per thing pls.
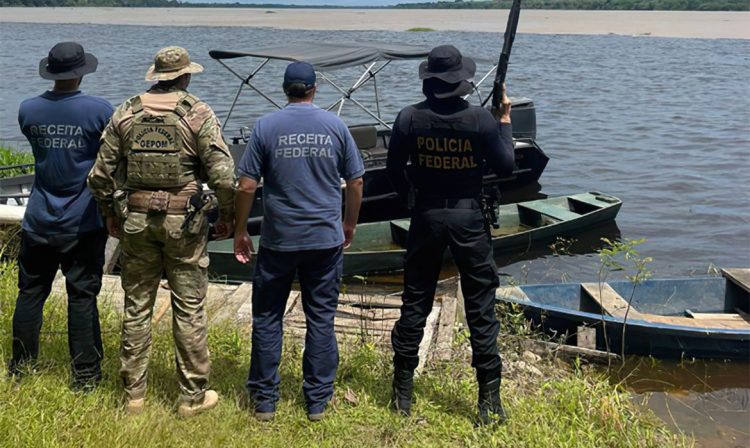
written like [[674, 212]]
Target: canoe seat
[[557, 213], [366, 137], [740, 277], [614, 305], [724, 316], [609, 300]]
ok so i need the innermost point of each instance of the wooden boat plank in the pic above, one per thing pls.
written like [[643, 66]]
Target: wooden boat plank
[[370, 301], [723, 323], [226, 308], [610, 301], [614, 305], [429, 330], [715, 316], [738, 276], [444, 338]]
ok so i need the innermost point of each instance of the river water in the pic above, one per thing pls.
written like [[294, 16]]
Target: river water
[[662, 123]]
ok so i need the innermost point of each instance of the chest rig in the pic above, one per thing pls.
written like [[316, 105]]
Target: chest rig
[[156, 155]]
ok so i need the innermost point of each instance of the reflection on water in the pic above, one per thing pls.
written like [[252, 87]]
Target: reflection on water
[[710, 400]]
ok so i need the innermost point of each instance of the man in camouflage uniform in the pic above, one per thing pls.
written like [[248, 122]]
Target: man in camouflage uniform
[[155, 153]]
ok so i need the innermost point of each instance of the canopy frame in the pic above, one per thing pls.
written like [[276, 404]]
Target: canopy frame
[[371, 69]]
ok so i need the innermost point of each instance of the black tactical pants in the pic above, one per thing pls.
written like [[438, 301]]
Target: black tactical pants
[[81, 259], [463, 230]]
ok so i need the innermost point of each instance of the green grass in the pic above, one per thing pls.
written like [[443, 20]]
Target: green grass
[[9, 156], [566, 407], [420, 29]]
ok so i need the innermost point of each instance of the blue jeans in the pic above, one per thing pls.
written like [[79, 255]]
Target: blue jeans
[[319, 273]]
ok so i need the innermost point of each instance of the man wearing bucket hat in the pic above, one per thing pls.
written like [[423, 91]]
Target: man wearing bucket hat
[[61, 227], [156, 153], [448, 142]]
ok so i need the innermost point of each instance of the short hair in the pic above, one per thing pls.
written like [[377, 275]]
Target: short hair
[[298, 90]]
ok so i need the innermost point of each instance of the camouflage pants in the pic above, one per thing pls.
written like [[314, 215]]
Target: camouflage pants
[[152, 244]]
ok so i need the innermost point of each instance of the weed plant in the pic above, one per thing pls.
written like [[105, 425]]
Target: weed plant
[[562, 408]]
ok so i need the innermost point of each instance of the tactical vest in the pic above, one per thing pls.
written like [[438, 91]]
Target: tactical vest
[[447, 155], [156, 156]]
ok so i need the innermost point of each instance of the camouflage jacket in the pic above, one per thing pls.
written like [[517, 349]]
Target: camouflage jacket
[[200, 133]]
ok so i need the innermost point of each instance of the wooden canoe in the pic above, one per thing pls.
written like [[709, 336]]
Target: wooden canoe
[[699, 317]]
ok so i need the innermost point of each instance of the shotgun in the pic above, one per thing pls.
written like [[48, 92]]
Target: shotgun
[[502, 64]]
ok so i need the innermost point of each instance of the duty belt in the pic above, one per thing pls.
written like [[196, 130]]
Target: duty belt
[[468, 203], [157, 202]]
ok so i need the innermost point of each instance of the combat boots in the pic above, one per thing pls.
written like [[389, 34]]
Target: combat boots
[[210, 400], [491, 410], [403, 386]]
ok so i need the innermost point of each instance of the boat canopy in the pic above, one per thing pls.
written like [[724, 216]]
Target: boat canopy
[[371, 57], [330, 56]]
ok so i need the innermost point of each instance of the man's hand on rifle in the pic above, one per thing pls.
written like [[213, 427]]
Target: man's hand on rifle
[[503, 115]]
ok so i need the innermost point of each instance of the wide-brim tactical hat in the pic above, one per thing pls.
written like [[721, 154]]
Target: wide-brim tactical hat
[[170, 63], [67, 60], [447, 64]]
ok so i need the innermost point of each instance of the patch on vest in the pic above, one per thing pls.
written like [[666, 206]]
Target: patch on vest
[[445, 153], [155, 137]]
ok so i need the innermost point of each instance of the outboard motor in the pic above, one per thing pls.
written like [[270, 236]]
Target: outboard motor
[[523, 117]]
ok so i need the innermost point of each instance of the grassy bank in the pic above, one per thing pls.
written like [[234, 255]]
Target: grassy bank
[[10, 157], [550, 405]]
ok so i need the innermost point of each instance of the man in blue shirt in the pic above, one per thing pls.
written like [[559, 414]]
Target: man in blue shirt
[[61, 226], [301, 153]]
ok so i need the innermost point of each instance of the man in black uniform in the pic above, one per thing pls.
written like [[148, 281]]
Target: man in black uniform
[[448, 142]]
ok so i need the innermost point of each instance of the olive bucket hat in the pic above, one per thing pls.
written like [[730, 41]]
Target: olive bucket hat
[[67, 60], [170, 63], [447, 64]]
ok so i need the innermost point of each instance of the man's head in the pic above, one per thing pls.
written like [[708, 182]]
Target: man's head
[[66, 64], [446, 73], [299, 82], [172, 67]]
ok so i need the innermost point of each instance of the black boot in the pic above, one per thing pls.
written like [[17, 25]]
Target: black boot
[[403, 385], [491, 410]]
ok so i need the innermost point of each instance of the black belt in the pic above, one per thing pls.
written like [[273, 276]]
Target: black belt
[[467, 203]]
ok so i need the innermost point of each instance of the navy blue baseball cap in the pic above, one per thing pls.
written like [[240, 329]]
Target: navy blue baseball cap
[[299, 72]]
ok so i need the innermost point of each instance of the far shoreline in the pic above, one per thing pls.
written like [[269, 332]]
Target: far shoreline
[[685, 24]]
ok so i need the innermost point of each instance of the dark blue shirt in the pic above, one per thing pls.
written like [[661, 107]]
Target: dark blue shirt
[[63, 130], [301, 153]]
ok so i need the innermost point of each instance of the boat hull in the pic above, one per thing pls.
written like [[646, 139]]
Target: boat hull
[[381, 246], [559, 310]]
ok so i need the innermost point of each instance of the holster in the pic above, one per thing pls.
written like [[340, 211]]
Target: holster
[[120, 204]]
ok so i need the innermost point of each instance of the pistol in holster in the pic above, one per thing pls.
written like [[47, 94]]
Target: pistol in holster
[[120, 204], [198, 205], [490, 198]]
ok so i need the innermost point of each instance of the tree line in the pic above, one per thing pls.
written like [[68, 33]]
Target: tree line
[[674, 5], [668, 5]]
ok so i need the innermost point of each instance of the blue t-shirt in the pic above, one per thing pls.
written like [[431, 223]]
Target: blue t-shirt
[[301, 152], [63, 130]]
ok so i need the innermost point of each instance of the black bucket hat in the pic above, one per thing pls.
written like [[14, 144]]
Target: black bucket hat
[[447, 64], [67, 60]]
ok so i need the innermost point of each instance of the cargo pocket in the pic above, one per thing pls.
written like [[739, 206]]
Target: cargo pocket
[[135, 223], [133, 229]]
